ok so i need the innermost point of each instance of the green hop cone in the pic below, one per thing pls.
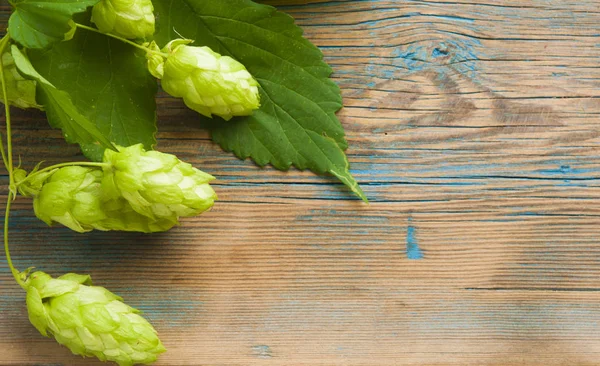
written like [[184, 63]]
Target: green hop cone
[[126, 18], [208, 82], [73, 197], [157, 185], [21, 92], [90, 320]]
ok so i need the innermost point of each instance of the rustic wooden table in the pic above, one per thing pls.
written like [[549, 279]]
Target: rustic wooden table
[[473, 128]]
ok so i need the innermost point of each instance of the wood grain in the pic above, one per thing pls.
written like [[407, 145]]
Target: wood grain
[[473, 129]]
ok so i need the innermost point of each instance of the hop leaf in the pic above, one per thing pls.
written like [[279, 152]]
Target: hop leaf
[[157, 185], [73, 196], [42, 23], [90, 320], [208, 82], [20, 91], [126, 18]]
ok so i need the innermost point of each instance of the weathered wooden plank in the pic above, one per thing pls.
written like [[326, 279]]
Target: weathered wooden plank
[[473, 127]]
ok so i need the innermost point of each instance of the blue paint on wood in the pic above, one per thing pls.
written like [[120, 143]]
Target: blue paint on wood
[[460, 55], [566, 171], [413, 251], [262, 351], [439, 52], [174, 308]]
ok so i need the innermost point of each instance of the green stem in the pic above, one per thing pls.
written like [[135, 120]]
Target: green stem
[[9, 165], [3, 43], [56, 166], [122, 40], [15, 272]]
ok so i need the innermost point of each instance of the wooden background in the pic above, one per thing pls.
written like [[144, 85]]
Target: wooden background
[[473, 128]]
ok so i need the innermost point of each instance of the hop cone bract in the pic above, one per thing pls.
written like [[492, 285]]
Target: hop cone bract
[[90, 320], [208, 82], [73, 196], [157, 185], [126, 18], [20, 91], [156, 60], [71, 33]]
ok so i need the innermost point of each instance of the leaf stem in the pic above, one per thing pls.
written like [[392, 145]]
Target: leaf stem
[[56, 166], [122, 40]]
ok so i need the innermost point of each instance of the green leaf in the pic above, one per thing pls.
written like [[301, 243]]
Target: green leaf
[[60, 109], [108, 82], [296, 124], [40, 23]]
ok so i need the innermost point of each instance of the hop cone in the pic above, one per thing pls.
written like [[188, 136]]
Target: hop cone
[[90, 320], [157, 185], [208, 82], [20, 91], [73, 196], [126, 18]]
